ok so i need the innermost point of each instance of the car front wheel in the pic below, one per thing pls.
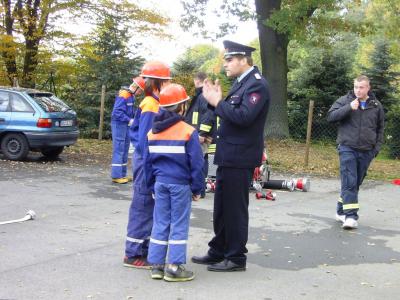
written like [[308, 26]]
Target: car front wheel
[[14, 146], [52, 152]]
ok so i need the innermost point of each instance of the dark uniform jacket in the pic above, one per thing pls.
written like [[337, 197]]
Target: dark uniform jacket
[[361, 129], [199, 116], [240, 136]]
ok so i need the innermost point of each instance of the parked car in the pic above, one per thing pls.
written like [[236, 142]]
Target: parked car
[[32, 120]]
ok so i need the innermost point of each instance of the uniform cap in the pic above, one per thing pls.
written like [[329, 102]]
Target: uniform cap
[[232, 48], [156, 69], [173, 94]]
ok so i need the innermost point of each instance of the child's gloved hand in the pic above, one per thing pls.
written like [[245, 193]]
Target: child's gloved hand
[[195, 197]]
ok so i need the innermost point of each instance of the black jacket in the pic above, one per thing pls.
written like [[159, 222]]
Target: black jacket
[[361, 129], [199, 115], [240, 136]]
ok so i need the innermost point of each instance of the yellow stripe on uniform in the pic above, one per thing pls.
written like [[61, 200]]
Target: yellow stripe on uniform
[[195, 117], [212, 148], [124, 94], [340, 200], [205, 128], [351, 206], [149, 104]]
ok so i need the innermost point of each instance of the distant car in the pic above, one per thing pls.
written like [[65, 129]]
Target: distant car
[[34, 120]]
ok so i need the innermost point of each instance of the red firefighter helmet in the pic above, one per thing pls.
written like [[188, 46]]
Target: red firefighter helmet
[[156, 69], [173, 94], [139, 82]]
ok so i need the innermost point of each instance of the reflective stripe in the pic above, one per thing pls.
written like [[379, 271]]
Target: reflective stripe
[[177, 242], [351, 206], [212, 148], [167, 149], [134, 240], [154, 241], [195, 117], [340, 200], [218, 123], [205, 128], [129, 104], [118, 165]]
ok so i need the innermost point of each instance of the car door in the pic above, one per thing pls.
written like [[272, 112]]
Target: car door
[[22, 114], [5, 110]]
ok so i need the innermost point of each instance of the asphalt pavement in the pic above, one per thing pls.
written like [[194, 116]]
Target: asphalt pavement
[[75, 246]]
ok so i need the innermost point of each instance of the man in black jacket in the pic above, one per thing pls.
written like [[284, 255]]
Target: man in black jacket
[[240, 143], [360, 136], [203, 119]]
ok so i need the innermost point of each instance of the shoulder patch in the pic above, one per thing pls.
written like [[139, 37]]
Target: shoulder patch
[[149, 104], [254, 98], [257, 76], [124, 94]]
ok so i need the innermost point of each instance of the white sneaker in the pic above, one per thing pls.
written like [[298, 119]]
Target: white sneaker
[[350, 223], [340, 218]]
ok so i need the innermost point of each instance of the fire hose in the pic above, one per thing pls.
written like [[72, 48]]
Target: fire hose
[[30, 215], [301, 184]]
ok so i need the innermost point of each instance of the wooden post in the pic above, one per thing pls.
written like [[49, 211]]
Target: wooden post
[[102, 99], [15, 82], [309, 126]]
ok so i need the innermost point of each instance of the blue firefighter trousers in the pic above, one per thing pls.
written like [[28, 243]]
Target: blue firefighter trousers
[[171, 224], [140, 213], [353, 169], [120, 143]]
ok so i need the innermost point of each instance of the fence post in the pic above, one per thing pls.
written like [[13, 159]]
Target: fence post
[[309, 126], [15, 82], [102, 99]]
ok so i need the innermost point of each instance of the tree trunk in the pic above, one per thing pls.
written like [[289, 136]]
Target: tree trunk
[[8, 45], [30, 62], [273, 48]]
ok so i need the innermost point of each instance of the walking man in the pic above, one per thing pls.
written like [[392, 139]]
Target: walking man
[[360, 136]]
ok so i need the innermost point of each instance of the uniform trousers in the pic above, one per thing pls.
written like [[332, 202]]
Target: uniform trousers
[[140, 219], [231, 215], [120, 144], [171, 224], [353, 169]]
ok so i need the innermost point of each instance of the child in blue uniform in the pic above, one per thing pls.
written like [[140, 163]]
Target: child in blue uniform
[[121, 118], [173, 169], [140, 222]]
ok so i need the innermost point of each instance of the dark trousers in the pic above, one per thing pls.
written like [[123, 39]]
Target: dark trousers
[[205, 173], [353, 169], [231, 215]]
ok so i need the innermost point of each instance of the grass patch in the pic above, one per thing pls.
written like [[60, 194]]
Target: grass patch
[[288, 156], [285, 156]]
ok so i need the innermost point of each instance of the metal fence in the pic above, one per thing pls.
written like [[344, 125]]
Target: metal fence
[[319, 130]]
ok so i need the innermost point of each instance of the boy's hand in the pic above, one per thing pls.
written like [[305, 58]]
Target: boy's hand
[[195, 197], [208, 139], [354, 104]]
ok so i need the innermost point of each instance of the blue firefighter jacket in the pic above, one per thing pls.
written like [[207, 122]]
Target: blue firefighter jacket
[[143, 122], [174, 153], [124, 109]]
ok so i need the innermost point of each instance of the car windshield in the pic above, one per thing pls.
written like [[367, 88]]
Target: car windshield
[[49, 102]]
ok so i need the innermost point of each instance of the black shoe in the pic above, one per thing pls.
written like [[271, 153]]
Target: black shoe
[[177, 274], [206, 260], [226, 266]]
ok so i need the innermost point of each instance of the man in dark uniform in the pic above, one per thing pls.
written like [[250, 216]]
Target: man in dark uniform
[[202, 118], [240, 143]]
